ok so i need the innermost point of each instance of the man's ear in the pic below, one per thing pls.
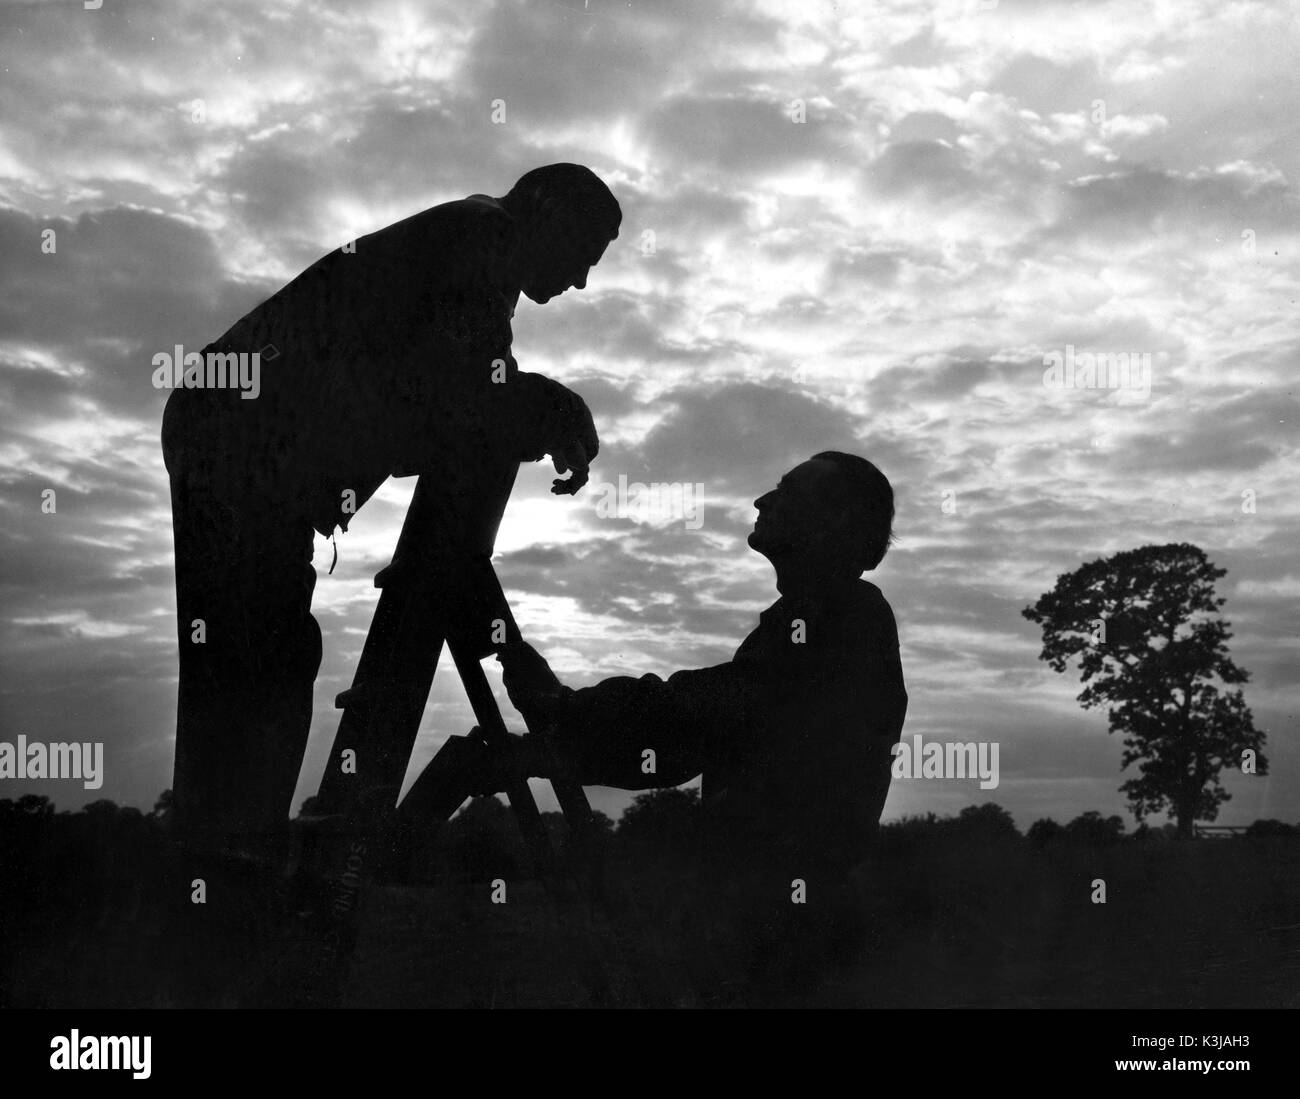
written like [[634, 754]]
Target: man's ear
[[840, 535]]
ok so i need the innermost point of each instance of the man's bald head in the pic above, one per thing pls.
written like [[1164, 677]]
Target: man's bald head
[[833, 511]]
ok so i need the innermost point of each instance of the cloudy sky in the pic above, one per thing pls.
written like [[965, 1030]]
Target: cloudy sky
[[854, 226]]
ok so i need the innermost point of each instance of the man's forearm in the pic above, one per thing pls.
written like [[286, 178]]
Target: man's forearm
[[638, 734], [457, 411]]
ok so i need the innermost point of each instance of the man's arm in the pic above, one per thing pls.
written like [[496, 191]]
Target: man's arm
[[543, 417], [634, 734], [462, 385], [525, 416]]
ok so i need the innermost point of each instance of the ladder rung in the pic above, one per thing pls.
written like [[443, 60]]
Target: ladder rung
[[351, 697], [448, 565]]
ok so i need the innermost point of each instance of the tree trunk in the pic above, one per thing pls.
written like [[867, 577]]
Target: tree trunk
[[1185, 809]]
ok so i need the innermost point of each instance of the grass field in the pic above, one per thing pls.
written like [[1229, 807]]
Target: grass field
[[950, 921]]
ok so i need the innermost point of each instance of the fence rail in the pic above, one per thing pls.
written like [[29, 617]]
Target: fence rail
[[1220, 831]]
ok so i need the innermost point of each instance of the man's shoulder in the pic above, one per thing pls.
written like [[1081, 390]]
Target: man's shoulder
[[867, 596], [860, 601], [870, 613], [472, 214], [473, 231]]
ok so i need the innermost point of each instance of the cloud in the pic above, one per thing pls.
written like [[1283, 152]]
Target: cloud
[[741, 434], [97, 296], [1149, 201], [739, 134], [935, 169], [971, 188]]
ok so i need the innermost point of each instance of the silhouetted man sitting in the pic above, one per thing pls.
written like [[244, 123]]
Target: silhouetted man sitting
[[388, 357], [793, 736]]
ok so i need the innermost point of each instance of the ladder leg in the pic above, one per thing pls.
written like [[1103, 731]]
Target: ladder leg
[[451, 517], [488, 716]]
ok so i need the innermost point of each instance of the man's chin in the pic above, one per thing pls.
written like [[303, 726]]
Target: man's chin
[[762, 542]]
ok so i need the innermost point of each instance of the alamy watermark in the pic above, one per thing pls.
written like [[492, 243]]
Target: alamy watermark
[[949, 759], [89, 1051], [1129, 371], [26, 760], [657, 502], [216, 370]]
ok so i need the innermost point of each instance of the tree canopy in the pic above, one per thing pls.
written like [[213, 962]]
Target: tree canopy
[[1152, 649]]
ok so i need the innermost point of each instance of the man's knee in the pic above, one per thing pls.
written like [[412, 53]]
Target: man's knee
[[311, 650]]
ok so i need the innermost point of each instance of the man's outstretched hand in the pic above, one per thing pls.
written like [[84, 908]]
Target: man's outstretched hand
[[484, 771], [534, 689], [573, 457], [563, 428]]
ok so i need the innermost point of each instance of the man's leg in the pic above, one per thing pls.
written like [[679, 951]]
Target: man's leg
[[284, 652], [249, 651]]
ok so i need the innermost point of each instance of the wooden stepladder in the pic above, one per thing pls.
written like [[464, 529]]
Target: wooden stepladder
[[440, 588]]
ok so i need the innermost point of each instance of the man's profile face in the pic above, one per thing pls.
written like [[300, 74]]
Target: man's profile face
[[562, 260], [800, 511]]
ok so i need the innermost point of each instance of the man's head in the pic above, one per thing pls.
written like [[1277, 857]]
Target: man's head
[[831, 515], [566, 218]]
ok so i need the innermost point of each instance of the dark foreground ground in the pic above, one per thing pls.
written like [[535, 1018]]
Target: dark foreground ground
[[951, 921]]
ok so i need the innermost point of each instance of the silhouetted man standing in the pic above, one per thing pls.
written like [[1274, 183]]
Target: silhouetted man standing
[[388, 357]]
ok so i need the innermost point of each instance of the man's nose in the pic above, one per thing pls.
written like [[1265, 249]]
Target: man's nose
[[581, 282]]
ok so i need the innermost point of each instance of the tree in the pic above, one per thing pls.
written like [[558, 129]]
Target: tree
[[557, 828], [602, 824], [35, 806], [989, 821], [1151, 644], [1090, 829], [104, 809], [668, 818], [1271, 828], [162, 808], [483, 840], [1043, 833]]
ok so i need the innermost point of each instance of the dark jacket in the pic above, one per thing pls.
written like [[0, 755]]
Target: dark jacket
[[373, 363], [793, 738]]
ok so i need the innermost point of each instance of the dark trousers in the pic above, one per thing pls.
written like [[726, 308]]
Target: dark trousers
[[249, 653]]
